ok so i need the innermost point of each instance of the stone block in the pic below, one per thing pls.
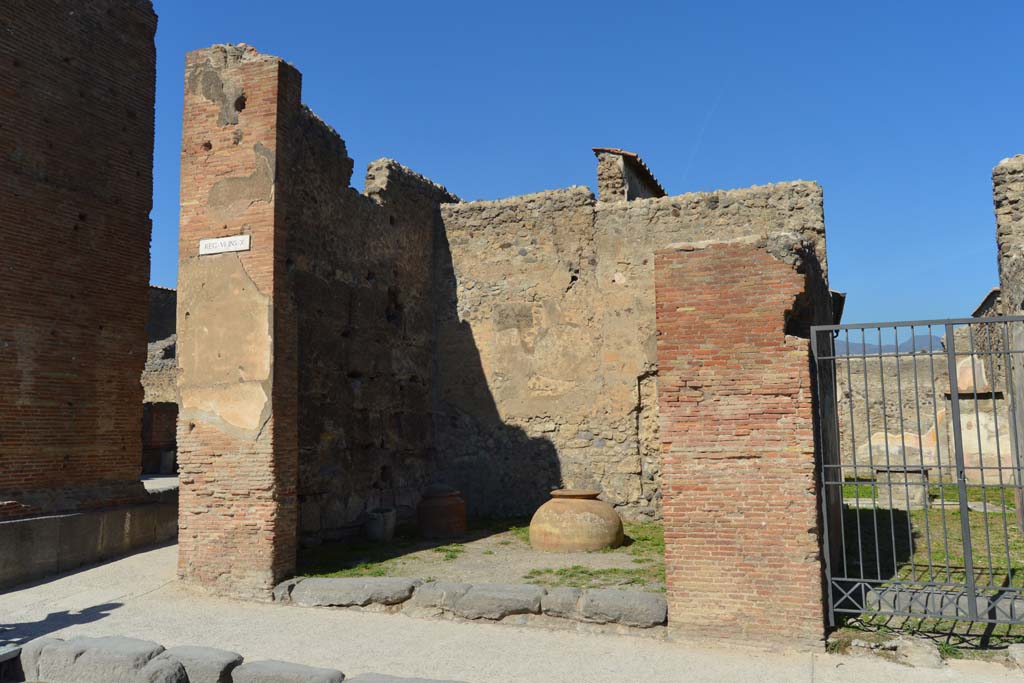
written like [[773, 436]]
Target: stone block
[[284, 672], [79, 539], [142, 524], [1015, 653], [918, 653], [441, 595], [283, 590], [348, 592], [32, 652], [112, 540], [31, 548], [496, 601], [166, 520], [162, 671], [562, 602], [204, 664], [111, 659], [631, 608]]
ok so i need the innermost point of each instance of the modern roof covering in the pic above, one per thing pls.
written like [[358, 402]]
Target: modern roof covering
[[634, 160], [986, 302]]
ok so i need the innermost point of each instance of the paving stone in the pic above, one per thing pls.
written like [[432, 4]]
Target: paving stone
[[111, 659], [30, 654], [283, 590], [438, 594], [1015, 653], [204, 664], [353, 591], [919, 653], [561, 602], [162, 671], [284, 672], [632, 608], [496, 601]]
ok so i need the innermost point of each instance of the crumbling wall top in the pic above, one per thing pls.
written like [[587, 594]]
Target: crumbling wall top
[[384, 175], [622, 176]]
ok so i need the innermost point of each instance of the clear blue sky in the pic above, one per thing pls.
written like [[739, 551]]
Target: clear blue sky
[[899, 109]]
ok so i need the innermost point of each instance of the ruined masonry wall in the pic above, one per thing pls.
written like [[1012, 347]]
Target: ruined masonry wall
[[737, 430], [1008, 196], [371, 344], [546, 335], [76, 154], [360, 277]]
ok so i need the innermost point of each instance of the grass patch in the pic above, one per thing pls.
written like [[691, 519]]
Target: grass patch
[[648, 539], [643, 551], [948, 651], [921, 547], [992, 494], [578, 576], [450, 551], [645, 542]]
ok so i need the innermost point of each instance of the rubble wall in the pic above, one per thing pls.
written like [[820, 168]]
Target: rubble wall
[[546, 335]]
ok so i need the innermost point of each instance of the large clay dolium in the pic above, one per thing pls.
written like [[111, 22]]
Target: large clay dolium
[[575, 521]]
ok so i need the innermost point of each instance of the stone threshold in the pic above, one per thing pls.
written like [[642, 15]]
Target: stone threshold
[[595, 609]]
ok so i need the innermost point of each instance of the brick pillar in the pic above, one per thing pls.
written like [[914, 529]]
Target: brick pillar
[[237, 448], [737, 428]]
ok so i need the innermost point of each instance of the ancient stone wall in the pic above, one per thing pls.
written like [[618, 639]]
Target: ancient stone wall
[[76, 154], [742, 537], [163, 308], [362, 346], [311, 349], [360, 276], [546, 335], [1008, 197]]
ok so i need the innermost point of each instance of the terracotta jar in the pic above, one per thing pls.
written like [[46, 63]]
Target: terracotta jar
[[574, 520], [441, 513]]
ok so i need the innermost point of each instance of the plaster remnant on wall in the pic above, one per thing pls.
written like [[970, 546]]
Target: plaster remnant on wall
[[225, 345], [230, 197]]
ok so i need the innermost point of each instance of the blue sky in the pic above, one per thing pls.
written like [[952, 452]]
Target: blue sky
[[899, 109]]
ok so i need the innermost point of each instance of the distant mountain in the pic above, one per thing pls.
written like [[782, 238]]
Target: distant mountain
[[855, 348]]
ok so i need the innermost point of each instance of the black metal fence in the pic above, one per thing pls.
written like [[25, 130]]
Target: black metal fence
[[921, 469]]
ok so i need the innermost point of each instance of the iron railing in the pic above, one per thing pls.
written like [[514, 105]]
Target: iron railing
[[921, 472]]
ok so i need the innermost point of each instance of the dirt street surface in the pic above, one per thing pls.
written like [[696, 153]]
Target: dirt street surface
[[139, 597]]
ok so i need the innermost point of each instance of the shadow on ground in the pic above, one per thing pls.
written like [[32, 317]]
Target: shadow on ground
[[20, 633]]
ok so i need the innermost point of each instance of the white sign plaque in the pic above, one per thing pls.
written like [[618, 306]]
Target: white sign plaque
[[219, 245]]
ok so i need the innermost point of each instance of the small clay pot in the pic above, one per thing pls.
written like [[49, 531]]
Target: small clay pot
[[574, 520], [441, 513]]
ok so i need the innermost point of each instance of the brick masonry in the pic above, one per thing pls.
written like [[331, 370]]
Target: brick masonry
[[77, 82], [237, 450], [737, 435]]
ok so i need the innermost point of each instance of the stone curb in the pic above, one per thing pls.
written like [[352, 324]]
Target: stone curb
[[493, 602], [114, 659]]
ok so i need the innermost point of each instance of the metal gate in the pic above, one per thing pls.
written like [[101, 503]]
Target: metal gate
[[921, 467]]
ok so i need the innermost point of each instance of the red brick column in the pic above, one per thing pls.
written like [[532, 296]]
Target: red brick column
[[237, 448], [738, 465]]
